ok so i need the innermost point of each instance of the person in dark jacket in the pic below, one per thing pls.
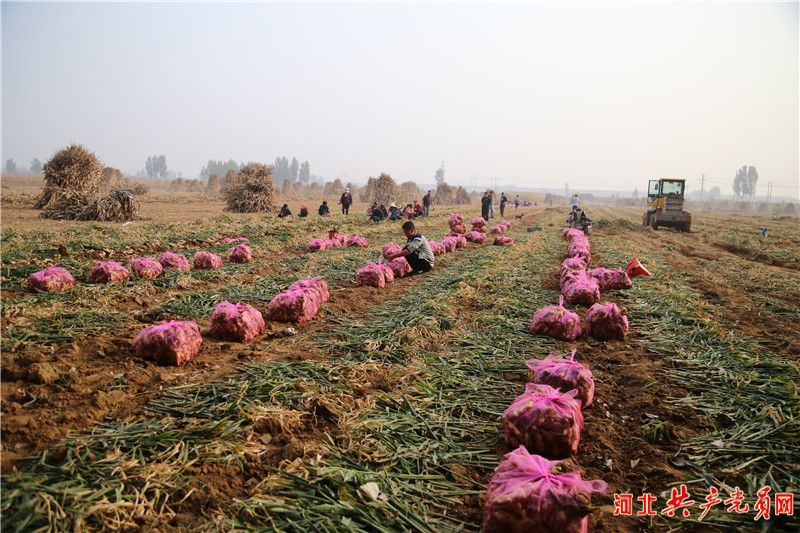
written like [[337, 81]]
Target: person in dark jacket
[[427, 202], [285, 212], [486, 201], [346, 200], [324, 210], [417, 251], [503, 202], [303, 211], [377, 214]]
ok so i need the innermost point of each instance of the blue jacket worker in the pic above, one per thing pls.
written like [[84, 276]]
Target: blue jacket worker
[[417, 251]]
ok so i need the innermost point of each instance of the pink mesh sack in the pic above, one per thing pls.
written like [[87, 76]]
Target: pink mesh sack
[[371, 276], [545, 421], [506, 225], [504, 241], [525, 496], [146, 268], [461, 242], [171, 343], [342, 240], [399, 266], [496, 229], [388, 272], [476, 236], [237, 239], [606, 322], [317, 284], [316, 245], [357, 240], [582, 290], [571, 233], [108, 272], [331, 243], [565, 375], [391, 248], [235, 322], [610, 280], [294, 305], [449, 244], [52, 278], [240, 254], [478, 222], [171, 261], [455, 219], [206, 261], [557, 322], [579, 250], [437, 248], [574, 263], [458, 229]]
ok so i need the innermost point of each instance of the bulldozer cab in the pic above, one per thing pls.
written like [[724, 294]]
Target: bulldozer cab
[[665, 205]]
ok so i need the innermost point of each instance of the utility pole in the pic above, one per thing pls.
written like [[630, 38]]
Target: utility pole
[[702, 185]]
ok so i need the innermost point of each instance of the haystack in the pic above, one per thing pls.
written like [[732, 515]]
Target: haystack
[[334, 188], [353, 190], [299, 188], [314, 190], [462, 197], [196, 186], [251, 190], [410, 191], [71, 172], [177, 185], [386, 190], [367, 193], [111, 179], [228, 178], [139, 189], [213, 186], [287, 191], [445, 195]]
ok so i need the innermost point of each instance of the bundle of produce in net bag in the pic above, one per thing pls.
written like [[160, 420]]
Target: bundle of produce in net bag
[[579, 250], [449, 244], [240, 254], [294, 305], [571, 233], [582, 290], [506, 225], [146, 267], [504, 241], [169, 343], [437, 248], [331, 243], [173, 261], [357, 240], [315, 284], [497, 229], [206, 261], [545, 421], [316, 245], [229, 240], [108, 272], [557, 322], [573, 263], [606, 322], [454, 220], [528, 493], [388, 272], [610, 280], [391, 248], [399, 266], [235, 322], [52, 278], [476, 236], [371, 276], [564, 374], [478, 222], [458, 229], [461, 242]]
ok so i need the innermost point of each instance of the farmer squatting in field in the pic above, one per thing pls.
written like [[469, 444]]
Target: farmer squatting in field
[[417, 251]]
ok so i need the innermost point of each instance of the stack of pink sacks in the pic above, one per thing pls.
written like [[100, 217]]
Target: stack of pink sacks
[[479, 224], [456, 223], [342, 240], [501, 227], [300, 302], [576, 285], [378, 275]]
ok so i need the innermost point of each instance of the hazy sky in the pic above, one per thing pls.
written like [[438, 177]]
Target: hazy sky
[[597, 95]]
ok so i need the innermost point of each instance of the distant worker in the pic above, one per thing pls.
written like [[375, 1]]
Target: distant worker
[[516, 202], [285, 212], [303, 211], [427, 202], [346, 200], [575, 201], [394, 213], [491, 204], [503, 202], [485, 201], [324, 210], [417, 251]]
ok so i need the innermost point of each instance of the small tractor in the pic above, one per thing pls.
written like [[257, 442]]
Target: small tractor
[[665, 205]]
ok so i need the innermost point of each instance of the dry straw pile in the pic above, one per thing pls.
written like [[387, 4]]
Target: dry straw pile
[[213, 186], [73, 179], [383, 189], [251, 190], [462, 197], [409, 192], [445, 195]]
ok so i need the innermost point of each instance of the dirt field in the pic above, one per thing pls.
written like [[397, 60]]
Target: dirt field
[[403, 386]]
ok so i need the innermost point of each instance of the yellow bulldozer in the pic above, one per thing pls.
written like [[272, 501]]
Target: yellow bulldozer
[[665, 205]]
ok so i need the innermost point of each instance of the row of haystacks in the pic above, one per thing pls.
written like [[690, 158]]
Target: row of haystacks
[[78, 187], [385, 190]]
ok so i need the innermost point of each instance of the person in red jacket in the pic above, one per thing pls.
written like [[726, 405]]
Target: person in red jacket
[[346, 200]]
